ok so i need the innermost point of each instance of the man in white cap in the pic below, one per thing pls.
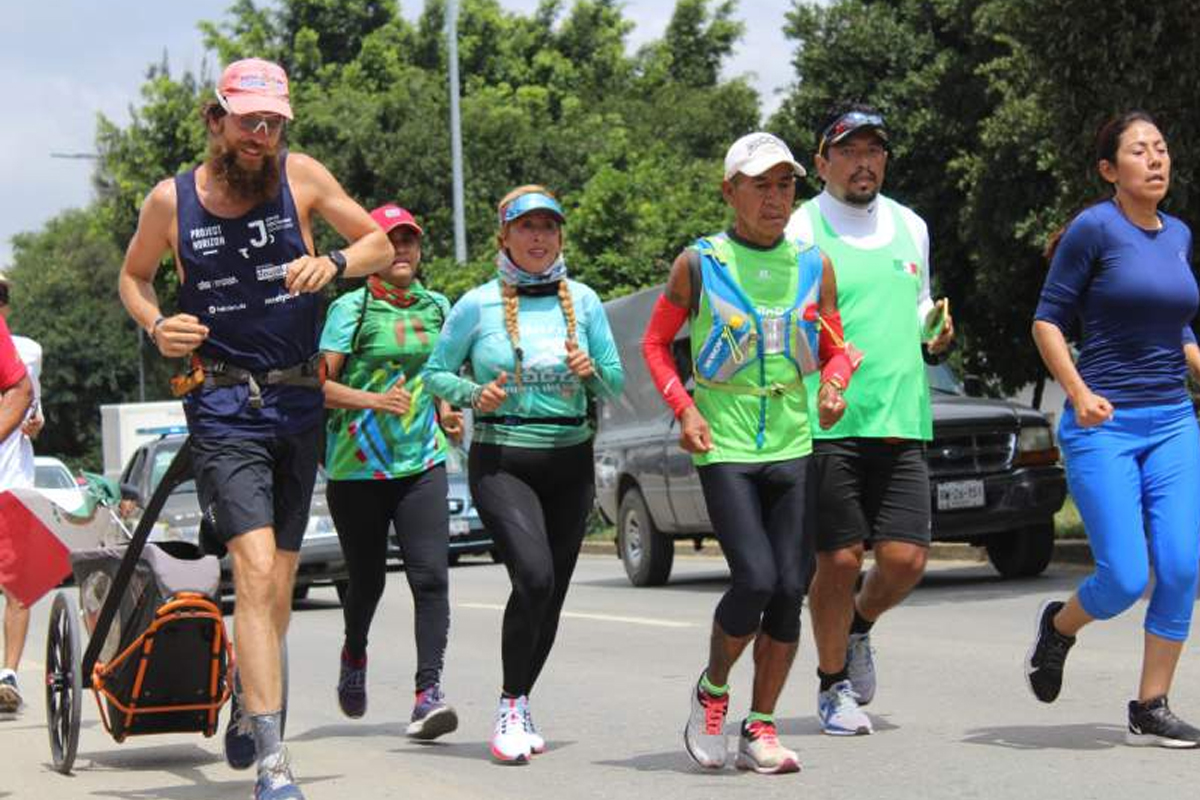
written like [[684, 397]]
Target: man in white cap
[[873, 478], [754, 299], [239, 226]]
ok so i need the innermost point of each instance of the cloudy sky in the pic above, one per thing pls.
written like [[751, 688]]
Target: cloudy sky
[[65, 62]]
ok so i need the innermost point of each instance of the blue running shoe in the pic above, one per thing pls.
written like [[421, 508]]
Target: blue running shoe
[[431, 716], [239, 733], [837, 708], [352, 686], [275, 781]]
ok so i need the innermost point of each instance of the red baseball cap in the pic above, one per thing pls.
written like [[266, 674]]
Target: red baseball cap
[[391, 216], [254, 86]]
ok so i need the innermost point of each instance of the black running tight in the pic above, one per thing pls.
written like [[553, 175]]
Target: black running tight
[[535, 504], [416, 505], [763, 516]]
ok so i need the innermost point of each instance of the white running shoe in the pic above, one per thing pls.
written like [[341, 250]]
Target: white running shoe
[[860, 666], [537, 745], [510, 743], [837, 708], [704, 735], [759, 750]]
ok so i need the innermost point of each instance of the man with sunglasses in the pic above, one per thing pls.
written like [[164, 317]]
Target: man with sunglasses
[[239, 226], [873, 479]]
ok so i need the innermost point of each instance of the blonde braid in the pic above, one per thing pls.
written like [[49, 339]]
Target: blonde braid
[[568, 309], [512, 306], [509, 293]]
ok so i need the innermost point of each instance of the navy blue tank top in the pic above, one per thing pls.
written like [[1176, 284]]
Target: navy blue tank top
[[234, 283]]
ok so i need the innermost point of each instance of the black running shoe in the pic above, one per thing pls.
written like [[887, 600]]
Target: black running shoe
[[1044, 662], [1154, 724]]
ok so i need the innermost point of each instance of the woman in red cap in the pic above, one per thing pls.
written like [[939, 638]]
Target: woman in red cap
[[385, 456]]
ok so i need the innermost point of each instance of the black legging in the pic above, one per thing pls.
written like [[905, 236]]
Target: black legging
[[535, 503], [417, 506], [763, 516]]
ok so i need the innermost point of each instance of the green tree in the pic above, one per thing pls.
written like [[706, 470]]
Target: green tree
[[631, 143], [1063, 68], [63, 281], [992, 107]]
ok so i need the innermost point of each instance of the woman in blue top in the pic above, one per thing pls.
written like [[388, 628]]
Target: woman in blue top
[[530, 464], [1122, 269]]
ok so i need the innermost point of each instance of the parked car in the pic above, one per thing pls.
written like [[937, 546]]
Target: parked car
[[52, 478], [468, 536], [995, 478], [321, 559]]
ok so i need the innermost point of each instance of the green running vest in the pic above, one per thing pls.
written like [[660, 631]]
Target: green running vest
[[877, 294], [770, 280]]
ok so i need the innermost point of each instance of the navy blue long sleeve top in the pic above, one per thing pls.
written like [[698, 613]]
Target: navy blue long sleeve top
[[1135, 295]]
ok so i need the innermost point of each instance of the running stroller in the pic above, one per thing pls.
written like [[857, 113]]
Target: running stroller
[[158, 656]]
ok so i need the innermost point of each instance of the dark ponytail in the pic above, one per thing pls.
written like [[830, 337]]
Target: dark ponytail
[[1108, 141]]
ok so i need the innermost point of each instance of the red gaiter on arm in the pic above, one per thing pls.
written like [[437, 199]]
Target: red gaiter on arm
[[665, 321], [838, 359]]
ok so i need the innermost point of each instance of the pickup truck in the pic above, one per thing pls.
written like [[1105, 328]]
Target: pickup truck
[[995, 477]]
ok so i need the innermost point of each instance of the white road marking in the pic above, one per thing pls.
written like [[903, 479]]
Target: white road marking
[[654, 623]]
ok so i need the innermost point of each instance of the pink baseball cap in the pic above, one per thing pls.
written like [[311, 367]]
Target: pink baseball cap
[[391, 216], [254, 86]]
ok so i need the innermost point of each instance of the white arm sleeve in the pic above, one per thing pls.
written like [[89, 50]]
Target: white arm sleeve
[[920, 234], [799, 226]]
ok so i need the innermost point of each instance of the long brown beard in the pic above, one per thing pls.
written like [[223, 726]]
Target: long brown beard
[[255, 186]]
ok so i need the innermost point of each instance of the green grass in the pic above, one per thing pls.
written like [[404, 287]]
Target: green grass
[[597, 529], [1067, 523]]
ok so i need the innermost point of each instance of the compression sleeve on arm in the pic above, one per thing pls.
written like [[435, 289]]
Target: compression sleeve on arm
[[665, 321]]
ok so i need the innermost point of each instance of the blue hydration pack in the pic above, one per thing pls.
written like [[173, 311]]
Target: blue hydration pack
[[740, 335]]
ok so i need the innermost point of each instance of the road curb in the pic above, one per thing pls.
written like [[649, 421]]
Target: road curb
[[1068, 551]]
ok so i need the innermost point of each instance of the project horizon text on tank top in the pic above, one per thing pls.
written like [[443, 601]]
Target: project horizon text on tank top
[[234, 271]]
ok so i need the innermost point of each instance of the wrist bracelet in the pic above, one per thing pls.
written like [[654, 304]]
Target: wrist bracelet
[[154, 329]]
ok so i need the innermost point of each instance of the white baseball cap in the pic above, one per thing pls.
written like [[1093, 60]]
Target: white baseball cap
[[757, 152]]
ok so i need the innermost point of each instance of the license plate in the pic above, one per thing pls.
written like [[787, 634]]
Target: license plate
[[459, 527], [960, 494]]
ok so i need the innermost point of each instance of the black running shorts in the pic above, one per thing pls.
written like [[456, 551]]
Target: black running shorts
[[246, 484], [871, 490]]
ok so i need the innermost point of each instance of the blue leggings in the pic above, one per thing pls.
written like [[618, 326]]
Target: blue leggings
[[1136, 480]]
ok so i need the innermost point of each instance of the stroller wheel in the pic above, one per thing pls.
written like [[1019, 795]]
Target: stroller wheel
[[64, 689]]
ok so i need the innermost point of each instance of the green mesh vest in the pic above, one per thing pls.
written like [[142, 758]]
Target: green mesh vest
[[877, 294]]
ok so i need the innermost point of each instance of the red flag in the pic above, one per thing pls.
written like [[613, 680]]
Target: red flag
[[32, 559]]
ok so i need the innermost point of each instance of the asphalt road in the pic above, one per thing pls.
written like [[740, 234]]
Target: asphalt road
[[953, 716]]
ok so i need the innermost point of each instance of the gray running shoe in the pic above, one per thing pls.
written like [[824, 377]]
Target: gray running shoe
[[860, 666], [1154, 724], [10, 693], [275, 781], [704, 735], [837, 708]]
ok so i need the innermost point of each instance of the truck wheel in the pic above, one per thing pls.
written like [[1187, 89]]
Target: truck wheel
[[1022, 553], [645, 551]]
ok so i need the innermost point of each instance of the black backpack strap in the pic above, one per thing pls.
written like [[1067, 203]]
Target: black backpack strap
[[695, 280], [362, 315]]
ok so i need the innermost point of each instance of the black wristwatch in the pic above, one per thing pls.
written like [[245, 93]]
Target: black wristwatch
[[339, 262]]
